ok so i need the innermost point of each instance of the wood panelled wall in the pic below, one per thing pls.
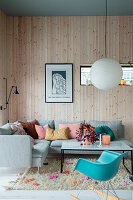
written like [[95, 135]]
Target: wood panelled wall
[[3, 67], [34, 41]]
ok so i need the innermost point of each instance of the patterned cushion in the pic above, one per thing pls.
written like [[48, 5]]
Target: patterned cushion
[[29, 128], [61, 134], [19, 128]]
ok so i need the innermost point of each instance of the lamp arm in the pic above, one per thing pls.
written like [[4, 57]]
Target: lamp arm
[[7, 100], [6, 92], [9, 95]]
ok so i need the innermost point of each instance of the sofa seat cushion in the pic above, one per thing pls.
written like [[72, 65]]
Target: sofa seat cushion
[[58, 143], [40, 148], [41, 141]]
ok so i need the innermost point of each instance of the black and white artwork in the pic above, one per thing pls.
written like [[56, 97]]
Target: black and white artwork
[[58, 83]]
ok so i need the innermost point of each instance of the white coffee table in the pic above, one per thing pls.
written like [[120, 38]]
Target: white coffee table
[[114, 146]]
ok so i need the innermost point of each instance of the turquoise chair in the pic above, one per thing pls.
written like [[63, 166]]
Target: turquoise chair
[[104, 169]]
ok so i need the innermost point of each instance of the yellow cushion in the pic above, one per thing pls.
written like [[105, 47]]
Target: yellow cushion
[[61, 134]]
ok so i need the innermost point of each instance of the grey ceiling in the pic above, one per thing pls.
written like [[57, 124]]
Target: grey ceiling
[[65, 7]]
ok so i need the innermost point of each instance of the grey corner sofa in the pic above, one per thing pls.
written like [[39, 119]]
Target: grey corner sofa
[[19, 151]]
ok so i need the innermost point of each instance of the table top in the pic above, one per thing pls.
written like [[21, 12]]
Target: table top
[[114, 145]]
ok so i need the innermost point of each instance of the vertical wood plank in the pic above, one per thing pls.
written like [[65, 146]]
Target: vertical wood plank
[[75, 39]]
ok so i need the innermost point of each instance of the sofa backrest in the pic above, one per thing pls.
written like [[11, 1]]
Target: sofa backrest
[[44, 122], [5, 129], [116, 126], [62, 122]]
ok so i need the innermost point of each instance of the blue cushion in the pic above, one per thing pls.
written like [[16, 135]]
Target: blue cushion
[[44, 122], [60, 122], [105, 130]]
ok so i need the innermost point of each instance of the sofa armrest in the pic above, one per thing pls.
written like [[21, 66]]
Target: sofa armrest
[[15, 151]]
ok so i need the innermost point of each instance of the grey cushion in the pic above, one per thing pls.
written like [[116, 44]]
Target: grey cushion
[[5, 129], [44, 122], [58, 143], [116, 126], [40, 149], [60, 122], [42, 141]]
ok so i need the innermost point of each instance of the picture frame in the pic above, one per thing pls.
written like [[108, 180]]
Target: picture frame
[[59, 83], [85, 74]]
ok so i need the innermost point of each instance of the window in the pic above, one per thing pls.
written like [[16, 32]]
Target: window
[[85, 75], [127, 78]]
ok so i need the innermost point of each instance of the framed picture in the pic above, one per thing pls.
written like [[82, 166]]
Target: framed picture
[[85, 75], [127, 78], [58, 83]]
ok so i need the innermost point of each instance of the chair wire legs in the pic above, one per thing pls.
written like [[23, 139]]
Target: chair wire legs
[[102, 191], [105, 195], [113, 190], [81, 188], [94, 186], [76, 198], [100, 194], [107, 191]]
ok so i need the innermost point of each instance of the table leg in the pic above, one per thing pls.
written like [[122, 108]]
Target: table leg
[[131, 162], [123, 159], [63, 156], [61, 160], [130, 172]]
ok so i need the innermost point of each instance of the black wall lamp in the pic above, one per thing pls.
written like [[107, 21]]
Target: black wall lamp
[[7, 100]]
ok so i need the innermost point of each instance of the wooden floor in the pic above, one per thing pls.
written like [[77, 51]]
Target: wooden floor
[[7, 175]]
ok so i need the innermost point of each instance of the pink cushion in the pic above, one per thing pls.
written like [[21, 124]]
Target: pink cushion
[[72, 129], [41, 131]]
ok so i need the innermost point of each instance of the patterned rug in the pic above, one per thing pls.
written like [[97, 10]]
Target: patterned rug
[[50, 177]]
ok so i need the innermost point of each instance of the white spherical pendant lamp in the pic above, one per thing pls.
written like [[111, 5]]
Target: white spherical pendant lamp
[[106, 73]]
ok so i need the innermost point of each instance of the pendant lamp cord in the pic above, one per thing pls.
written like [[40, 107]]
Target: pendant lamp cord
[[106, 30]]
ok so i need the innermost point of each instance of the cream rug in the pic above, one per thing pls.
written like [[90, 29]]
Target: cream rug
[[50, 177]]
